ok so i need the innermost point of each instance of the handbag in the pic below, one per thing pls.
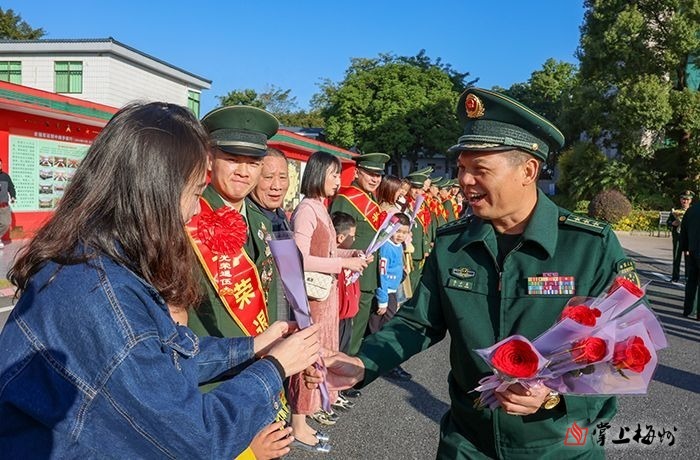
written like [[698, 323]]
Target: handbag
[[318, 285]]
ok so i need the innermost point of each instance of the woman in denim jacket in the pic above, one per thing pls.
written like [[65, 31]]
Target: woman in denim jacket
[[91, 362]]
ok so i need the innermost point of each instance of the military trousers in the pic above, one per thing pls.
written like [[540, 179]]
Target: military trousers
[[677, 256], [692, 272], [359, 322]]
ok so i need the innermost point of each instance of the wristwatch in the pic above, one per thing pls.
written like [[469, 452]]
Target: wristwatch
[[551, 400]]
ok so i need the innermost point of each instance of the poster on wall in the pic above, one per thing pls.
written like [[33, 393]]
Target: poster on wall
[[41, 169], [295, 169]]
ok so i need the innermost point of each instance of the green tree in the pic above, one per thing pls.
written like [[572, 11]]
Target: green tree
[[278, 102], [12, 27], [634, 92], [404, 106]]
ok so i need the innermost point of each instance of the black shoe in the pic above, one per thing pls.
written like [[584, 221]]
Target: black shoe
[[351, 393], [674, 280], [399, 374]]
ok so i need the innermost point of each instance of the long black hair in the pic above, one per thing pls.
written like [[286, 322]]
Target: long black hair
[[124, 202]]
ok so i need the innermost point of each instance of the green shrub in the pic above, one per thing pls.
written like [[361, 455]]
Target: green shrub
[[640, 220], [609, 205]]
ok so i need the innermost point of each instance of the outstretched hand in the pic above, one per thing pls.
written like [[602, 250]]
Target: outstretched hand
[[342, 372]]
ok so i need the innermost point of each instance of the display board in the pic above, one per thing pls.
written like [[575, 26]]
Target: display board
[[41, 169]]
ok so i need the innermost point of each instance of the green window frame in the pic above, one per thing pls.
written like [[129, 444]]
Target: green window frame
[[11, 71], [68, 77], [193, 102]]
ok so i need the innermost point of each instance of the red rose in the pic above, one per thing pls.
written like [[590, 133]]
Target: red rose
[[224, 231], [631, 287], [631, 354], [589, 350], [581, 314], [516, 358]]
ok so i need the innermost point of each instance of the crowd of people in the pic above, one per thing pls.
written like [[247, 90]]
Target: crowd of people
[[152, 320]]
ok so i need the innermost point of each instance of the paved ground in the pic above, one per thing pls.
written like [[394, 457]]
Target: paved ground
[[400, 420]]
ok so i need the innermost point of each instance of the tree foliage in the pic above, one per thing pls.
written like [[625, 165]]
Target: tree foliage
[[278, 102], [404, 106], [634, 92], [12, 27]]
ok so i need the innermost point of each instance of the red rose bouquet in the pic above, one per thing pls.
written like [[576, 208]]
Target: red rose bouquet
[[603, 345]]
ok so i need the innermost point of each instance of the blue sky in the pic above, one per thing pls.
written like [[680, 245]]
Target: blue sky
[[295, 45]]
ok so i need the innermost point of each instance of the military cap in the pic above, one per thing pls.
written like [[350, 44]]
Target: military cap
[[435, 180], [372, 162], [241, 129], [445, 183], [427, 171], [495, 122], [416, 179], [687, 194]]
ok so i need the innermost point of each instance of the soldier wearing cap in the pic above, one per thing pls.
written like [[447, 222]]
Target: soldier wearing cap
[[475, 286], [673, 223], [446, 198], [359, 201], [689, 242], [239, 278], [420, 226]]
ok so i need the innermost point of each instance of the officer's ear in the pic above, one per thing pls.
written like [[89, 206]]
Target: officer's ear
[[531, 170]]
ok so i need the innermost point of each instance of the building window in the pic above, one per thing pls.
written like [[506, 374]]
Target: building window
[[193, 102], [69, 76], [11, 71]]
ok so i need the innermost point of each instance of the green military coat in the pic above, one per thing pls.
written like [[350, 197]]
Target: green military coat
[[450, 210], [464, 292], [210, 316]]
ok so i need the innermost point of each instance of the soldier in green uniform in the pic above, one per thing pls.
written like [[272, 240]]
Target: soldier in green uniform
[[673, 223], [690, 245], [445, 194], [475, 286], [419, 228], [239, 135], [358, 200]]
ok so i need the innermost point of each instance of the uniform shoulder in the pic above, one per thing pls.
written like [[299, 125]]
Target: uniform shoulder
[[454, 226], [579, 222]]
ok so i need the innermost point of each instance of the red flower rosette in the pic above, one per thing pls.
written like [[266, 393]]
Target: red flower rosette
[[582, 314], [631, 354], [224, 231]]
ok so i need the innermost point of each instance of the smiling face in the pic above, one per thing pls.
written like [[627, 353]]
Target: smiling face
[[273, 183], [499, 188], [367, 180], [234, 176]]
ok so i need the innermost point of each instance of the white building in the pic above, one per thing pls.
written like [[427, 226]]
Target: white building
[[98, 70]]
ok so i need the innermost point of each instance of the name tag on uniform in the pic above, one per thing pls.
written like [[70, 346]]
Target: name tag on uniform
[[460, 284], [551, 284]]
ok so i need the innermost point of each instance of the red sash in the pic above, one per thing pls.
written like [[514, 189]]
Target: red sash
[[235, 279], [364, 204]]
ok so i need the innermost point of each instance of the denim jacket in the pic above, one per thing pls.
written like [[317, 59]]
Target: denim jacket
[[92, 365]]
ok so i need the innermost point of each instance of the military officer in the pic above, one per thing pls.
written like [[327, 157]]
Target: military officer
[[475, 286], [673, 223], [690, 245], [420, 227], [359, 201], [445, 196]]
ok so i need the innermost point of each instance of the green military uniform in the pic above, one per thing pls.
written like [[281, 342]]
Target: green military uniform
[[447, 204], [419, 237], [465, 291], [676, 215], [210, 316], [363, 237], [690, 241]]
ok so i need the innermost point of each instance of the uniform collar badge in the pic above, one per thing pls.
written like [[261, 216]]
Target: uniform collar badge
[[462, 273]]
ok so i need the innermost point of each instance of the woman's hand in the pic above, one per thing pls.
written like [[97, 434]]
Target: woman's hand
[[356, 264], [273, 334], [298, 351], [272, 441], [342, 372]]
